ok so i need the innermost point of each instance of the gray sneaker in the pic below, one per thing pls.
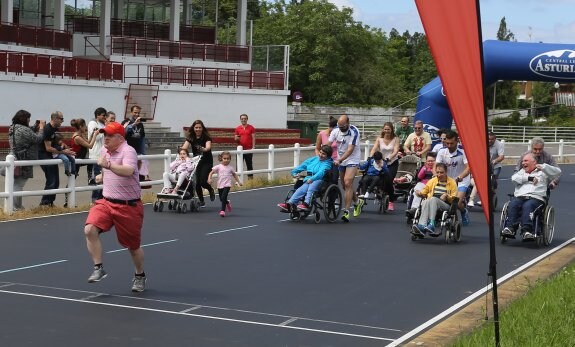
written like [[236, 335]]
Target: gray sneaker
[[138, 284], [98, 275]]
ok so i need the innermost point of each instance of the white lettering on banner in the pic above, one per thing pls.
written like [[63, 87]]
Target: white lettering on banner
[[555, 64]]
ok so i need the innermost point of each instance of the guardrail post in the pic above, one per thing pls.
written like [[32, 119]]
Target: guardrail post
[[167, 160], [240, 162], [561, 144], [271, 160], [556, 135], [524, 135], [9, 185], [296, 154], [366, 153], [72, 195], [529, 146]]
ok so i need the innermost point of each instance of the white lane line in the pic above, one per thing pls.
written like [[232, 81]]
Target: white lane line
[[191, 309], [233, 229], [475, 295], [90, 297], [197, 315], [33, 266], [6, 285], [284, 220], [146, 245], [291, 320]]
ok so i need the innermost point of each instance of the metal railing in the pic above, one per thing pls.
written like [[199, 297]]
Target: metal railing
[[523, 134], [35, 36], [271, 169]]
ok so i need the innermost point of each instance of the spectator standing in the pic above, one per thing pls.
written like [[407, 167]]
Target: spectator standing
[[94, 152], [348, 156], [323, 138], [69, 161], [199, 141], [496, 155], [226, 176], [110, 117], [24, 143], [419, 142], [403, 130], [135, 133], [121, 206], [245, 136], [46, 151], [81, 143]]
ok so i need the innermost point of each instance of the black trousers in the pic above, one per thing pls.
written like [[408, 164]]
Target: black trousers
[[223, 194], [202, 172], [248, 159]]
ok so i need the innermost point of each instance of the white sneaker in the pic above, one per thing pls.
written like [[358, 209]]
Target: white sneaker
[[471, 203], [366, 195]]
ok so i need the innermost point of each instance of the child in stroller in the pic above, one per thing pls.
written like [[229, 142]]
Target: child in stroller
[[406, 172], [180, 169]]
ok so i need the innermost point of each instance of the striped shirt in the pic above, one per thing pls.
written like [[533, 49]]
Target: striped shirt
[[440, 189], [119, 187]]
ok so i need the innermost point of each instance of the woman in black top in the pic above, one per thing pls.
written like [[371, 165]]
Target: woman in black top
[[199, 142]]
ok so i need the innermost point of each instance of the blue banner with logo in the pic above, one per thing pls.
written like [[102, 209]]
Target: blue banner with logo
[[503, 60]]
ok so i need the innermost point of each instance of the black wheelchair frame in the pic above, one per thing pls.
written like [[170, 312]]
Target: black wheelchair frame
[[543, 222], [448, 222]]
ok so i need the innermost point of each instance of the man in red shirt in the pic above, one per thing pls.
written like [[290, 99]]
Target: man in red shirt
[[245, 136]]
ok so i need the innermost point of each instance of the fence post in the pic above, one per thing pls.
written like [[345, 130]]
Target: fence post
[[529, 146], [240, 162], [72, 195], [9, 185], [366, 153], [524, 135], [271, 161], [561, 144], [296, 154], [167, 160]]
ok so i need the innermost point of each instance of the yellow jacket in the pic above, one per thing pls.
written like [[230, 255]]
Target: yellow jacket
[[430, 188]]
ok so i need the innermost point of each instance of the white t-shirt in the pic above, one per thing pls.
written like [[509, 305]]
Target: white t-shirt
[[95, 151], [456, 163], [343, 140]]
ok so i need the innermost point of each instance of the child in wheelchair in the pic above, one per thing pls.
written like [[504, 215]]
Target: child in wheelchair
[[316, 168], [439, 193], [374, 169]]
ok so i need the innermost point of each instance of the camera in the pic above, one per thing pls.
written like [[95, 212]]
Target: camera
[[36, 126]]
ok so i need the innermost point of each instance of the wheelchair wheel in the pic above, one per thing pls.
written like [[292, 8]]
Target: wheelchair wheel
[[317, 217], [289, 194], [383, 203], [156, 203], [294, 215], [494, 201], [548, 225], [456, 232], [332, 203]]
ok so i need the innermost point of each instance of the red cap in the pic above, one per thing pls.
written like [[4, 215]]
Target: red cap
[[114, 128]]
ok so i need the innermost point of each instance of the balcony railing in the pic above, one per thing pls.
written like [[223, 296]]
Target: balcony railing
[[59, 67], [141, 29], [35, 36]]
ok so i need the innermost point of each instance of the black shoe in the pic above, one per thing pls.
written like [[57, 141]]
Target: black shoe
[[212, 195], [46, 204], [202, 204], [92, 182]]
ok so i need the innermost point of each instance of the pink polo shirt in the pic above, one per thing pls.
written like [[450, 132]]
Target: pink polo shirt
[[119, 187]]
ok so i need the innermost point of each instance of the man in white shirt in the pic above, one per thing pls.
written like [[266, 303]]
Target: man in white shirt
[[99, 122], [457, 168], [349, 154], [531, 184]]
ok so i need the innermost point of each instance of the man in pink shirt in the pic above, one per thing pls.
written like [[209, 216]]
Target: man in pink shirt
[[245, 136], [121, 206]]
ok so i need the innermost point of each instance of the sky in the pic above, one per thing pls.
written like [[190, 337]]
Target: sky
[[548, 21]]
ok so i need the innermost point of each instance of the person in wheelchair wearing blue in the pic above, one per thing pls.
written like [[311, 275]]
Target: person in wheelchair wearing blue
[[316, 167], [439, 192], [531, 186], [375, 169]]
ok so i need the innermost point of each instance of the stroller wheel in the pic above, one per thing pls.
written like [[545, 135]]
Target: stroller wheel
[[156, 206], [171, 205], [178, 207], [161, 206], [184, 208]]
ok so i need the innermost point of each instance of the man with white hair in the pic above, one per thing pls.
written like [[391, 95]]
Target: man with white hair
[[541, 157]]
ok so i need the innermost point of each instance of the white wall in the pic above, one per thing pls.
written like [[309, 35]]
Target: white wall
[[176, 106]]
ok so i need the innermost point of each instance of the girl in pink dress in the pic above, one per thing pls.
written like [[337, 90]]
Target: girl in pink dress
[[226, 175]]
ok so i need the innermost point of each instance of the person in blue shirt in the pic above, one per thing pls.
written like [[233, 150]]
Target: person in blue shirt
[[316, 168], [374, 169]]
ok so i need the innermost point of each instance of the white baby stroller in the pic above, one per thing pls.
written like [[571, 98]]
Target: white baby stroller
[[184, 199]]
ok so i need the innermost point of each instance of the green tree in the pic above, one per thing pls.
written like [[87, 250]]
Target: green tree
[[505, 93], [503, 34]]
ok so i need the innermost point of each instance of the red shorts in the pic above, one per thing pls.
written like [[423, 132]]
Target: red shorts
[[127, 219]]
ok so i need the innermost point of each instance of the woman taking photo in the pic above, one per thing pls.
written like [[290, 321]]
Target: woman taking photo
[[388, 144], [81, 144], [199, 142], [24, 146]]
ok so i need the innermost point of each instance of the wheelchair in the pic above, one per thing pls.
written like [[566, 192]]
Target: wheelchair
[[446, 221], [543, 223], [328, 199], [381, 199]]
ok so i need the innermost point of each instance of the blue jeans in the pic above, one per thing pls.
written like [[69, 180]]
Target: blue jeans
[[305, 190], [52, 182], [518, 211], [96, 194]]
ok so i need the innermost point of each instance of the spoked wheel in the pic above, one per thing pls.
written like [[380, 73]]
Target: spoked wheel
[[289, 194], [383, 203], [548, 225], [156, 203], [332, 203], [294, 215], [494, 201]]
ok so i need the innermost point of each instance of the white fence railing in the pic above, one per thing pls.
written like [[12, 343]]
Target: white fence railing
[[297, 151]]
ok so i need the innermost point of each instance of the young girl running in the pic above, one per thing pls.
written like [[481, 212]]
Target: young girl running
[[225, 174]]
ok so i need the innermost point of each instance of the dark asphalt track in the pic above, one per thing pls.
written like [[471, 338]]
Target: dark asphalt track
[[250, 279]]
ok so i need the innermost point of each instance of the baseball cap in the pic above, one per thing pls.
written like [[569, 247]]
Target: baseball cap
[[114, 128]]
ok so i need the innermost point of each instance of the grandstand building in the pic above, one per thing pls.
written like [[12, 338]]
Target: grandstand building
[[174, 69]]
